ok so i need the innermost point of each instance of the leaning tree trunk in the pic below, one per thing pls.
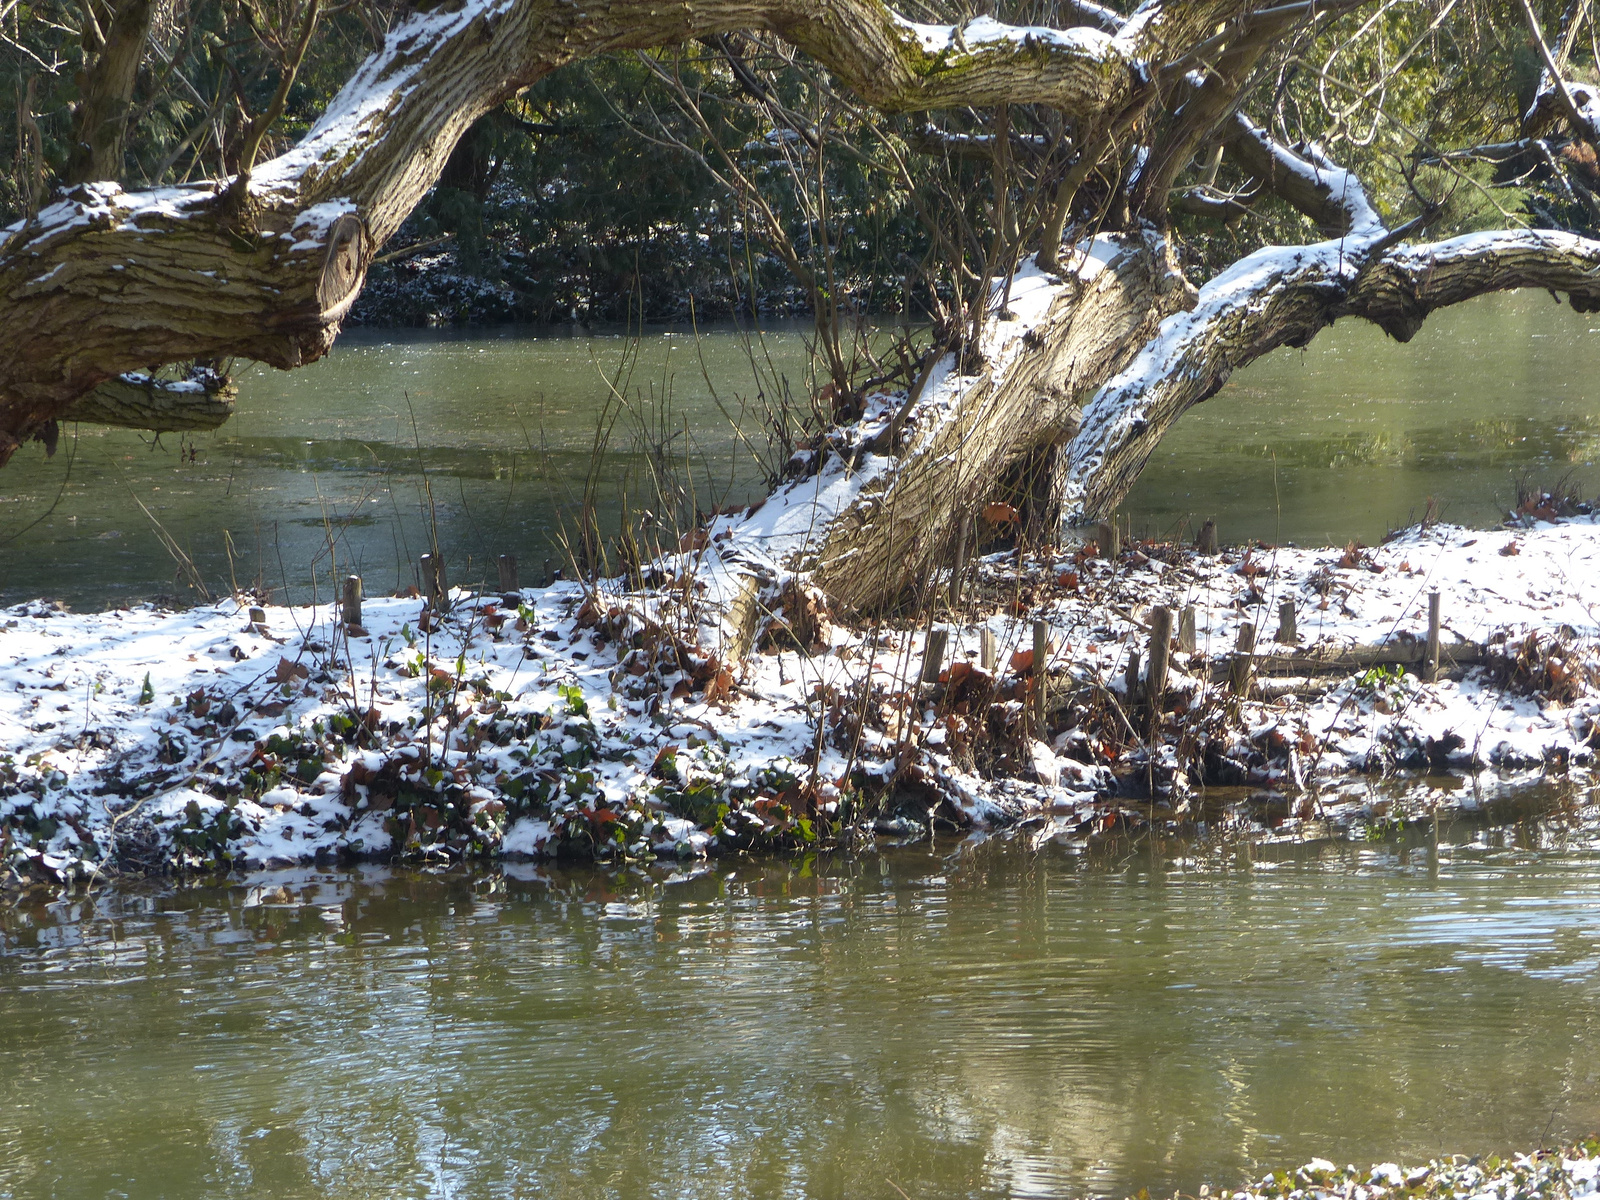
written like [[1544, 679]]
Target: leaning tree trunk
[[1109, 357], [965, 435]]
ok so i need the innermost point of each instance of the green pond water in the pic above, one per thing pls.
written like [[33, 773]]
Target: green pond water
[[976, 1020], [485, 436]]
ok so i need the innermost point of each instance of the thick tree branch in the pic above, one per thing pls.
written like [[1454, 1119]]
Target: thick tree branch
[[200, 402], [1328, 194], [106, 281], [1400, 290], [1284, 296]]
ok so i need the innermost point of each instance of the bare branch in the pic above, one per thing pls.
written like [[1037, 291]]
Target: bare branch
[[1328, 194], [269, 117]]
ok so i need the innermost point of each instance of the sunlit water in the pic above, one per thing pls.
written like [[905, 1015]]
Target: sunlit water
[[487, 434], [987, 1020], [1350, 437], [354, 464]]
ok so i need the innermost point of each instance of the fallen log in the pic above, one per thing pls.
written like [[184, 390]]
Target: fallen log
[[1334, 659]]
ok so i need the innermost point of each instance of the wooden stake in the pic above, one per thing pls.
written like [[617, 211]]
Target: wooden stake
[[1431, 667], [433, 582], [508, 573], [1109, 538], [1041, 671], [352, 600], [1186, 629], [1130, 676], [1239, 668], [933, 656], [1206, 543], [958, 573], [1160, 657], [986, 650], [1286, 629]]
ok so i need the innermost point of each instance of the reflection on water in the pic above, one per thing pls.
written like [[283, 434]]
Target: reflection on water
[[1344, 440], [987, 1020], [486, 435]]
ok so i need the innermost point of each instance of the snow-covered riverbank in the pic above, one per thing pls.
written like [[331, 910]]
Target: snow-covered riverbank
[[1557, 1174], [585, 721]]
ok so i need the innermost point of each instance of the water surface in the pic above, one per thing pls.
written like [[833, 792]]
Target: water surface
[[1350, 437], [484, 439], [957, 1021]]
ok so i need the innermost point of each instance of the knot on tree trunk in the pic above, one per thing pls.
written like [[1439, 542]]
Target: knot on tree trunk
[[344, 268]]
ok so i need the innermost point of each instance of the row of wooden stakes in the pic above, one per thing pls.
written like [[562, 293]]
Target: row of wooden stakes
[[1238, 668]]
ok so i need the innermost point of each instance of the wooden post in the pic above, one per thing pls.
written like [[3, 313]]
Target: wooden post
[[1206, 543], [1431, 662], [1239, 668], [1186, 641], [508, 573], [933, 655], [1041, 671], [1160, 657], [1130, 676], [548, 578], [986, 650], [1109, 538], [434, 583], [352, 600], [1286, 629], [958, 573], [430, 582]]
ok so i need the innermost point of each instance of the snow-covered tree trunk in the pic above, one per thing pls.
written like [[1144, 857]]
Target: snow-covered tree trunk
[[965, 436], [1097, 365]]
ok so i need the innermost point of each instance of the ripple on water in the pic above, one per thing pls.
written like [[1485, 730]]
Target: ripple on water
[[981, 1022]]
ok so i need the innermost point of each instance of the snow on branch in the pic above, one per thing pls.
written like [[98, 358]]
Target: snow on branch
[[1279, 295], [1284, 296], [1401, 288], [1305, 177], [1556, 96]]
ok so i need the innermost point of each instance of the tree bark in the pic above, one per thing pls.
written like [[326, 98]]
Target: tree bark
[[100, 118], [198, 404], [964, 435]]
